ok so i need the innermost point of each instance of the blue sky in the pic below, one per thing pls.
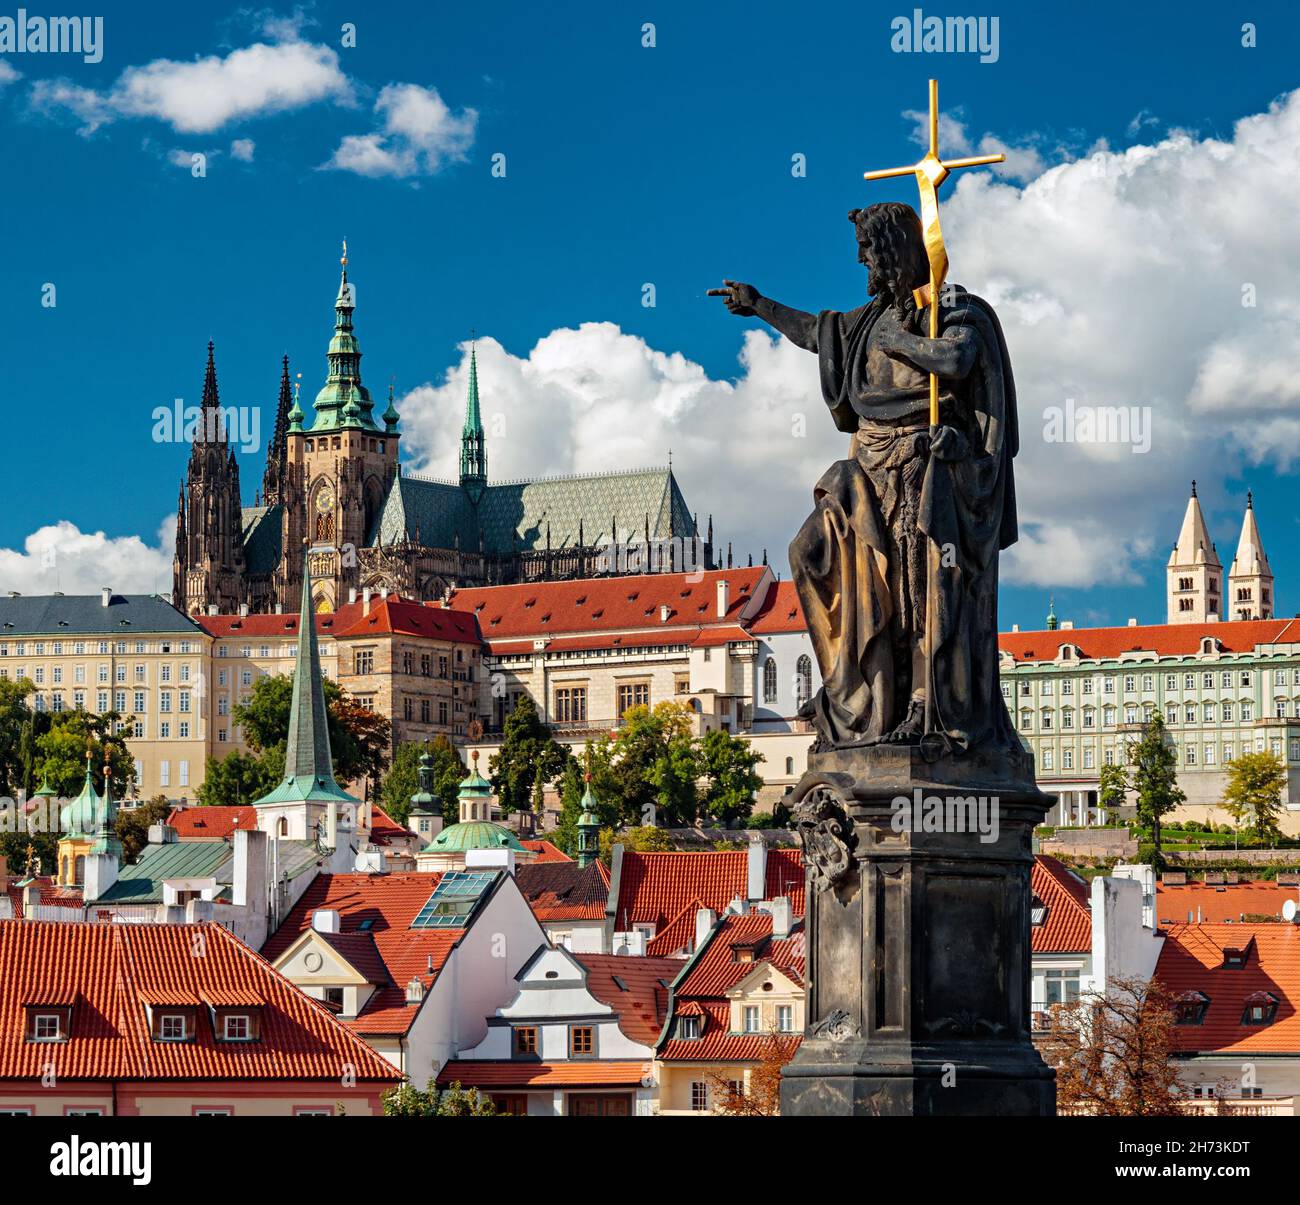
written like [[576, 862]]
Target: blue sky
[[625, 165]]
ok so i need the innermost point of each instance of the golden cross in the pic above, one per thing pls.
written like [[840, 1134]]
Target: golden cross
[[930, 172]]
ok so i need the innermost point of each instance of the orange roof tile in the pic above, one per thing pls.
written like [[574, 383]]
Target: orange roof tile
[[384, 829], [655, 887], [405, 617], [635, 988], [546, 852], [584, 1073], [1214, 905], [781, 611], [211, 822], [233, 627], [612, 604], [1191, 960], [110, 970], [561, 891], [1166, 640], [1067, 927]]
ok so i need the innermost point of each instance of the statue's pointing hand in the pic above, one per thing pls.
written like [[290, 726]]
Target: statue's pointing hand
[[741, 298]]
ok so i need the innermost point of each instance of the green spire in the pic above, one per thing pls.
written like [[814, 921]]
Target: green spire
[[473, 449], [424, 800], [390, 415], [1051, 614], [588, 828], [106, 839], [296, 414], [80, 817], [308, 768], [344, 401]]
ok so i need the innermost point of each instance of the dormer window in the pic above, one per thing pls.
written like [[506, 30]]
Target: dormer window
[[1190, 1009], [172, 1027], [47, 1023], [1261, 1009], [236, 1027], [1234, 959], [688, 1028]]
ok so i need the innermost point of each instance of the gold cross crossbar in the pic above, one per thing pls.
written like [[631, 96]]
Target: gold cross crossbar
[[930, 172]]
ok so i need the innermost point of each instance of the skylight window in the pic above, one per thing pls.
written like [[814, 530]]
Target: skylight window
[[453, 900]]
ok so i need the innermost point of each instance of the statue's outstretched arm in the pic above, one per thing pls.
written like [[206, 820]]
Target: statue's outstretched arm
[[952, 355], [745, 301]]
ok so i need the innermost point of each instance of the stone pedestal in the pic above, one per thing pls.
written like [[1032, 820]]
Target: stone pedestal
[[918, 941]]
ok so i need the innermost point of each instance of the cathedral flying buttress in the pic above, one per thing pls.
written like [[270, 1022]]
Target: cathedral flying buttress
[[334, 480]]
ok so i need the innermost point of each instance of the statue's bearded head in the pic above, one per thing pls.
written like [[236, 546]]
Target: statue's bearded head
[[892, 249]]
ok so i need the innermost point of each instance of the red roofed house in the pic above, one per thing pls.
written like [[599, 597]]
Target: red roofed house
[[1238, 1035], [410, 963], [739, 993], [568, 899], [212, 822], [1221, 902], [125, 1020], [653, 897], [589, 649], [576, 1039]]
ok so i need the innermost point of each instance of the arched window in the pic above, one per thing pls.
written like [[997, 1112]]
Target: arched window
[[789, 765], [80, 872], [803, 678], [283, 826], [769, 680]]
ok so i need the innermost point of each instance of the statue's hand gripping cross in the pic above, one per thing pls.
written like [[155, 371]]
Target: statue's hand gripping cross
[[931, 172]]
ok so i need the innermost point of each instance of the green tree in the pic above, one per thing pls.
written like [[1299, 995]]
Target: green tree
[[61, 752], [359, 738], [132, 825], [240, 777], [406, 1100], [1112, 788], [528, 752], [15, 735], [626, 770], [1253, 794], [646, 839], [402, 779], [13, 848], [1155, 777], [729, 764]]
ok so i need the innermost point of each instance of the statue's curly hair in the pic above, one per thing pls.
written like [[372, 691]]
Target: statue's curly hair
[[895, 248]]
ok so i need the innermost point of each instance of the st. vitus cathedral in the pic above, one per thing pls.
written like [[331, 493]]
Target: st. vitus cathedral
[[334, 480]]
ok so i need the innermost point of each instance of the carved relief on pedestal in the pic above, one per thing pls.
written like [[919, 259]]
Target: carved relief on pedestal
[[827, 836]]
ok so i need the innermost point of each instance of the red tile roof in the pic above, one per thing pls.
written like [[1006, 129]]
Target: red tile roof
[[107, 970], [714, 971], [400, 616], [655, 887], [1067, 927], [1215, 905], [546, 852], [635, 988], [1167, 640], [678, 934], [52, 895], [384, 830], [505, 1073], [563, 891], [390, 902], [612, 604], [1191, 960], [781, 611], [235, 627], [211, 822]]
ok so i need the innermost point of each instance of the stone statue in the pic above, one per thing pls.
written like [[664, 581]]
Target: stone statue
[[905, 532]]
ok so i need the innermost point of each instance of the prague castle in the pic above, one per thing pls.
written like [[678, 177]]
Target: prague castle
[[334, 480]]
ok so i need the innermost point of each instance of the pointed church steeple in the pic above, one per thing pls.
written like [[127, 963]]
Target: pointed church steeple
[[473, 447], [344, 400], [308, 768], [1194, 572], [1250, 580], [277, 454]]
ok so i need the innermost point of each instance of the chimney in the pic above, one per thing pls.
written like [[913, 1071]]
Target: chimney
[[756, 870], [331, 825], [243, 610], [212, 608], [327, 920], [1015, 627], [1132, 622], [365, 600], [248, 889], [352, 594], [105, 596], [162, 834], [31, 899], [724, 597], [705, 919], [781, 917], [4, 874], [664, 612], [414, 992], [383, 593], [279, 608]]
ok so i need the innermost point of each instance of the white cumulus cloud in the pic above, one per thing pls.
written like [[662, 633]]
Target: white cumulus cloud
[[418, 133], [60, 556]]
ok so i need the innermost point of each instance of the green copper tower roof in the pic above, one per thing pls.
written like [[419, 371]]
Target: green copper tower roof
[[473, 448], [308, 769], [80, 818], [106, 839], [424, 802], [475, 834], [344, 401]]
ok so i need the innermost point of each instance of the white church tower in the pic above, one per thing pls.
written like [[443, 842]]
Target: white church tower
[[1250, 580], [1194, 572]]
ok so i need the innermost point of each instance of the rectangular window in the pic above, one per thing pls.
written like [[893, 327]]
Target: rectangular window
[[363, 661], [750, 1014], [47, 1027], [236, 1028], [633, 694], [570, 704], [164, 772], [785, 1018], [582, 1040], [526, 1039], [171, 1026], [699, 1096]]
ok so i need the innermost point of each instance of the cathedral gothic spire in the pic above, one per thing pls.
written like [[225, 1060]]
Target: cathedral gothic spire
[[1250, 580], [277, 454], [473, 447]]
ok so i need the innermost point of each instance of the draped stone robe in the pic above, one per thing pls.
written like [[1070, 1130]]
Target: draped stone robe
[[895, 530]]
